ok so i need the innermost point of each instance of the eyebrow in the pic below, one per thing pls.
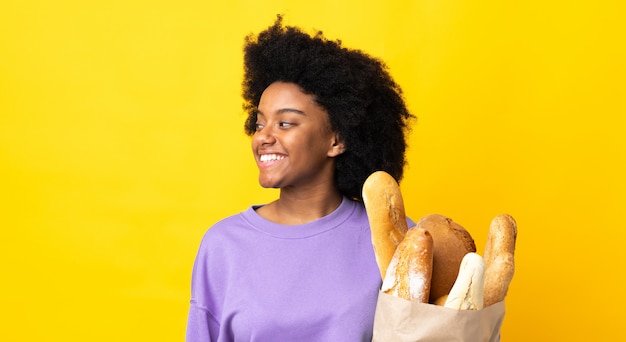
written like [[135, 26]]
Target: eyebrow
[[285, 110]]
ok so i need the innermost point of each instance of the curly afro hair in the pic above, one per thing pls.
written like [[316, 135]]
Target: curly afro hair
[[365, 105]]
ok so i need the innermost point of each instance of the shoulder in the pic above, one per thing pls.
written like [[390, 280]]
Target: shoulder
[[225, 229], [352, 211]]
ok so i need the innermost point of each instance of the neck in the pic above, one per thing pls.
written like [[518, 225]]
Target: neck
[[297, 207]]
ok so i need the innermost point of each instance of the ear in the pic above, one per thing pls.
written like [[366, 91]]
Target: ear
[[337, 147]]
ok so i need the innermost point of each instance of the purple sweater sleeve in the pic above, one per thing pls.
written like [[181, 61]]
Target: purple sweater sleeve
[[201, 325]]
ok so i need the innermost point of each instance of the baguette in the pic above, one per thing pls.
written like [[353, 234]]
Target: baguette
[[499, 258], [467, 291], [410, 271], [385, 212]]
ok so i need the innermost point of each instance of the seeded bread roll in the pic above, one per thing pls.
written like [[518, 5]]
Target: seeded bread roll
[[385, 212], [410, 271], [450, 244], [498, 255]]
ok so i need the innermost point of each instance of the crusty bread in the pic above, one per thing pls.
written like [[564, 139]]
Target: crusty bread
[[385, 212], [467, 291], [450, 244], [410, 270], [499, 260]]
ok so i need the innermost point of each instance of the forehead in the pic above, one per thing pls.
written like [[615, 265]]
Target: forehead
[[286, 95]]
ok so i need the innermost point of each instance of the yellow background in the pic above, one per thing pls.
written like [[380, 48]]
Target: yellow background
[[121, 142]]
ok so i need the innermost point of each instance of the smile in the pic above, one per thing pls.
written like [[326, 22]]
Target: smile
[[264, 158]]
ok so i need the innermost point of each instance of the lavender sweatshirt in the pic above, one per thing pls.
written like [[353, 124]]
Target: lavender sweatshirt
[[255, 280]]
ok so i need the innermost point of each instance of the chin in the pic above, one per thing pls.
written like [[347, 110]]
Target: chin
[[268, 184]]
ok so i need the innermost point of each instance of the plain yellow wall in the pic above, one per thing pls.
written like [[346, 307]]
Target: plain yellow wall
[[121, 142]]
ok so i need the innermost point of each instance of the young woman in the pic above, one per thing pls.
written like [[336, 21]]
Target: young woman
[[322, 118]]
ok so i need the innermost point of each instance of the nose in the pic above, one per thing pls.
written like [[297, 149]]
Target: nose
[[265, 136]]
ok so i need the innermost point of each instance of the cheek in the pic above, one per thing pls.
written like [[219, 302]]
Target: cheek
[[315, 145], [253, 145], [308, 140], [254, 141]]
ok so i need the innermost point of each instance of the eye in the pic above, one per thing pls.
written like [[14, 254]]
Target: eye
[[258, 126], [284, 124]]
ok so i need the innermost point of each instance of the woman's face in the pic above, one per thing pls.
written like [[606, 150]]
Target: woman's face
[[293, 144]]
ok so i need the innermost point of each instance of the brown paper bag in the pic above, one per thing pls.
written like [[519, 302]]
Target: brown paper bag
[[400, 320]]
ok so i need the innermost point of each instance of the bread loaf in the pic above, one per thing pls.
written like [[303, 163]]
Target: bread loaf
[[410, 271], [467, 291], [385, 212], [451, 242], [499, 258]]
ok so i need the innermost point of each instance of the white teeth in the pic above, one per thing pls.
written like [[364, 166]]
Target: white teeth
[[270, 157]]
